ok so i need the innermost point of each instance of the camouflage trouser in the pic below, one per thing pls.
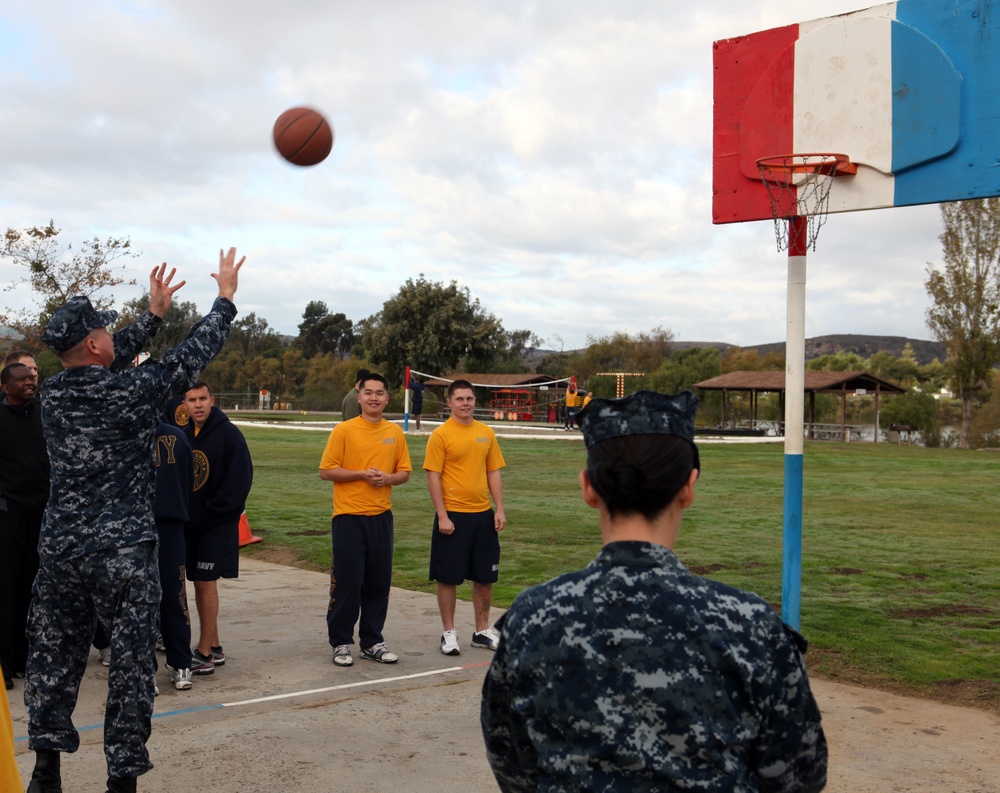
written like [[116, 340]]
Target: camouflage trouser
[[121, 589]]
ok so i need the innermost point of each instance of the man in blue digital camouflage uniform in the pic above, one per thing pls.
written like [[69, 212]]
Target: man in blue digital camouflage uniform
[[633, 674], [98, 556]]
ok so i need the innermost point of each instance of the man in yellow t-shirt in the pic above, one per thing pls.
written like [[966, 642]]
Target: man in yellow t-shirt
[[574, 400], [463, 463], [364, 458]]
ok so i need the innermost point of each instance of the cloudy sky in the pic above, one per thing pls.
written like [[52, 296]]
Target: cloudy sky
[[553, 156]]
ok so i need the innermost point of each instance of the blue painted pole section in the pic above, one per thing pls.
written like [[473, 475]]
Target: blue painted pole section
[[791, 564]]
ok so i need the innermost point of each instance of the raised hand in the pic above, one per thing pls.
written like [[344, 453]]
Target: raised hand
[[228, 275], [161, 293]]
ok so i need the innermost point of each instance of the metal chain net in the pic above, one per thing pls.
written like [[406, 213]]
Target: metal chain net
[[796, 191]]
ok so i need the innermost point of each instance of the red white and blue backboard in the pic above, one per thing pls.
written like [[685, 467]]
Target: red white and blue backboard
[[907, 90]]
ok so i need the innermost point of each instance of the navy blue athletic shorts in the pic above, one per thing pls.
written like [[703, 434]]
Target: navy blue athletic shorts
[[471, 552], [213, 553]]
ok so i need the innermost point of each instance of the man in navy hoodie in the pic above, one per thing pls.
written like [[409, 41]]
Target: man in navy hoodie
[[223, 474]]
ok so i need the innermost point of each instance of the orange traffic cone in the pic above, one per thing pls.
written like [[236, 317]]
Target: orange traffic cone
[[246, 536]]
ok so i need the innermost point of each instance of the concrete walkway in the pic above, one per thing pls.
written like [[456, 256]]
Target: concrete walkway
[[279, 716]]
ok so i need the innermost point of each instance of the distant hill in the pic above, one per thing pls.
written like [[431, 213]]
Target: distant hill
[[924, 351]]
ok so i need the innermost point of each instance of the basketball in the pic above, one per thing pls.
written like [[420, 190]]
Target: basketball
[[302, 136]]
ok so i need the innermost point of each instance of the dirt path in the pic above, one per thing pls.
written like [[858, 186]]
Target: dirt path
[[886, 743]]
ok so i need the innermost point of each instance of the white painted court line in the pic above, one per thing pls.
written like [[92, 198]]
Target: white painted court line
[[357, 684], [291, 695]]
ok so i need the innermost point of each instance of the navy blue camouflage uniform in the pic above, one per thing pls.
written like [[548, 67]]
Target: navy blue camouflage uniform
[[98, 559], [635, 675]]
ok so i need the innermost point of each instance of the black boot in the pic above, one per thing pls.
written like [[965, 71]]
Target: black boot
[[45, 778], [121, 784]]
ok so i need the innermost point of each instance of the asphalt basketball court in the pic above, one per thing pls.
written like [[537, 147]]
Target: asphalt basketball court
[[280, 716]]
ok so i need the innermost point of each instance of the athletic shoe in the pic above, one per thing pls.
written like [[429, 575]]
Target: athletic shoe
[[380, 653], [488, 639], [160, 645], [218, 657], [449, 643], [342, 655], [156, 689], [201, 664], [181, 678], [105, 656]]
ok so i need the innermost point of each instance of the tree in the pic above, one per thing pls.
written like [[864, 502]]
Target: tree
[[965, 295], [684, 368], [432, 328], [837, 362], [903, 371], [176, 322], [916, 410], [515, 345], [253, 336], [56, 274], [322, 332], [622, 352], [986, 426]]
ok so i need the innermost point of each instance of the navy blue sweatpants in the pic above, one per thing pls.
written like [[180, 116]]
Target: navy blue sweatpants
[[175, 619], [360, 576]]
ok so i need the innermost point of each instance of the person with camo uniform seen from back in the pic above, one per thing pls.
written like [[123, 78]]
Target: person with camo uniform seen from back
[[633, 674], [98, 557]]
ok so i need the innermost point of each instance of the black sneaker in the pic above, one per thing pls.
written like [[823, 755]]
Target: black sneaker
[[218, 657], [202, 664]]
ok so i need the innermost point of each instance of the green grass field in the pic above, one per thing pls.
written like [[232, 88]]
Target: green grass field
[[901, 559]]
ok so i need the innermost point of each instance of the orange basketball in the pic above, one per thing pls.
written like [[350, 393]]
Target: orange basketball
[[302, 136]]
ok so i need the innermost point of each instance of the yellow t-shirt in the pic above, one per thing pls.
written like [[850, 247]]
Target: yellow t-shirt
[[358, 445], [462, 454]]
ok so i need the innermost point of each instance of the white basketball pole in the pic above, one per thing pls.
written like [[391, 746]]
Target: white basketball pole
[[795, 391]]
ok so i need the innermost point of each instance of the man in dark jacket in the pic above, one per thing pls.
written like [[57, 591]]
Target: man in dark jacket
[[97, 553], [223, 474], [24, 489]]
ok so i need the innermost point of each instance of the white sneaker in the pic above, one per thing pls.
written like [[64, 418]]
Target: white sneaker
[[488, 639], [105, 656], [181, 678], [342, 655], [449, 643], [379, 652]]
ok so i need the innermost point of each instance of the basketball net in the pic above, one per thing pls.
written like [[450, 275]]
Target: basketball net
[[798, 185]]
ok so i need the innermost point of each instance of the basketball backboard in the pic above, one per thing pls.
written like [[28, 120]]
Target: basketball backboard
[[906, 90]]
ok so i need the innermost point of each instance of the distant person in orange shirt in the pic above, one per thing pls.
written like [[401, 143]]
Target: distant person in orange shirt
[[364, 457], [574, 399]]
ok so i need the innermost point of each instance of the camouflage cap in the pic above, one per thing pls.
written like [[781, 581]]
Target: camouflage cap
[[72, 322], [641, 413]]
